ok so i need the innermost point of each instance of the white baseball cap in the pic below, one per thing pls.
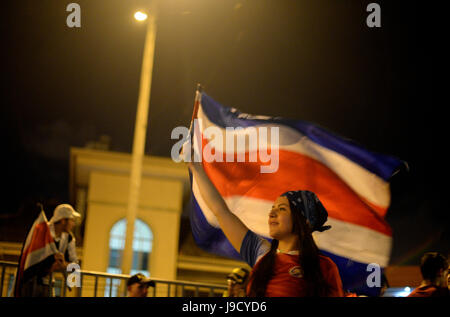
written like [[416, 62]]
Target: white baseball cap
[[64, 211]]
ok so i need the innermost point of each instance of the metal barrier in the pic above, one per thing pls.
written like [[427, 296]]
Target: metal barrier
[[100, 284]]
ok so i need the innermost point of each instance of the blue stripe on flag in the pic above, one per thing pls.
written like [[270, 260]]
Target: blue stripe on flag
[[207, 237], [382, 165], [354, 275]]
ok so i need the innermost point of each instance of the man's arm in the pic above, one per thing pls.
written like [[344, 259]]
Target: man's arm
[[60, 263]]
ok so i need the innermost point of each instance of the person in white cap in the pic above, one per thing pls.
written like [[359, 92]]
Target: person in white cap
[[38, 275], [61, 225]]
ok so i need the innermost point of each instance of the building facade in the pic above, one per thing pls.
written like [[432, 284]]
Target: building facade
[[99, 184]]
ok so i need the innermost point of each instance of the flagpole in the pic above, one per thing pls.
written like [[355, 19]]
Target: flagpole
[[140, 131], [196, 103], [198, 94], [197, 100]]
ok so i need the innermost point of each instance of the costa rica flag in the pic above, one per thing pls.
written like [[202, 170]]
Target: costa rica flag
[[351, 182], [38, 246]]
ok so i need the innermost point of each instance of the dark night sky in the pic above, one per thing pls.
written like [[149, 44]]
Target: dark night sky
[[311, 60]]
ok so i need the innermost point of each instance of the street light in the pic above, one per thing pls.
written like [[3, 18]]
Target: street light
[[140, 130], [140, 16]]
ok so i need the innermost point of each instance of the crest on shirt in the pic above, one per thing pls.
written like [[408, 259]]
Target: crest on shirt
[[296, 271]]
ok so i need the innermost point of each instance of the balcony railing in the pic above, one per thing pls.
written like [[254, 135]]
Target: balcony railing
[[99, 284]]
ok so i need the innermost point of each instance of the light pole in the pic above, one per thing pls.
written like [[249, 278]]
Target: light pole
[[140, 130]]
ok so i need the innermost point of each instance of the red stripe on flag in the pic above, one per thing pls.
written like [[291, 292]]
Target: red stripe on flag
[[41, 237], [296, 172]]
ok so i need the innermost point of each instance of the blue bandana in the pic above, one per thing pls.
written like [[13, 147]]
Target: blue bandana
[[309, 205]]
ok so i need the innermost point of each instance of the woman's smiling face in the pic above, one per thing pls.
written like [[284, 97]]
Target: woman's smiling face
[[280, 220]]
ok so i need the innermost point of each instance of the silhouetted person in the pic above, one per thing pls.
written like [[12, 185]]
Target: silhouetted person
[[137, 285], [237, 283], [434, 269]]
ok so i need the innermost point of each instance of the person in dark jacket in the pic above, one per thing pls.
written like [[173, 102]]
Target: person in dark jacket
[[434, 269]]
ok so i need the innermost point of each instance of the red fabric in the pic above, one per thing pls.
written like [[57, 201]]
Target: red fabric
[[41, 237], [429, 291], [286, 284]]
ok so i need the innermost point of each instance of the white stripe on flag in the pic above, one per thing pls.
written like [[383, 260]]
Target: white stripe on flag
[[355, 242]]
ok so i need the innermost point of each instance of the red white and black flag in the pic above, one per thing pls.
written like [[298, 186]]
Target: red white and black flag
[[39, 245]]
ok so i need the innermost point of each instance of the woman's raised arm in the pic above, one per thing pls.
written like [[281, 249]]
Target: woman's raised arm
[[232, 226]]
